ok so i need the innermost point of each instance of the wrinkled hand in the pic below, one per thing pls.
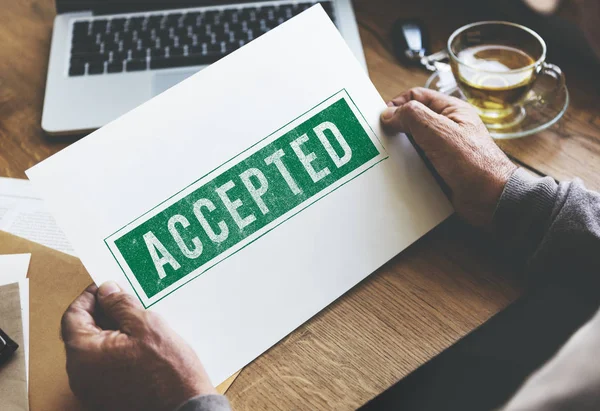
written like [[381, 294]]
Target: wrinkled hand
[[459, 147], [122, 357]]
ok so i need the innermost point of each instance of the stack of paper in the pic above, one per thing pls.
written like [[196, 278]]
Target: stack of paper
[[14, 320], [23, 213]]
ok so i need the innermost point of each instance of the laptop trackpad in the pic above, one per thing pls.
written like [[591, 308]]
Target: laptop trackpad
[[162, 82]]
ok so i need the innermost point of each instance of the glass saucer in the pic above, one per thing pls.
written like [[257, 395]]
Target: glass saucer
[[540, 113]]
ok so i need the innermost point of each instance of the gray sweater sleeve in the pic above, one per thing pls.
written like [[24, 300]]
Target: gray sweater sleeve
[[555, 229], [206, 403]]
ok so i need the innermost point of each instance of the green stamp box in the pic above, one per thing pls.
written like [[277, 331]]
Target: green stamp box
[[245, 198]]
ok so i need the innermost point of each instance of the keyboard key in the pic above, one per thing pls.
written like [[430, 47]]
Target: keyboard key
[[154, 21], [77, 59], [144, 43], [173, 19], [218, 30], [190, 19], [187, 40], [266, 13], [145, 35], [203, 38], [254, 25], [151, 44], [84, 48], [111, 46], [99, 26], [180, 32], [247, 14], [104, 37], [87, 58], [135, 23], [210, 16], [157, 53], [135, 65], [114, 67], [127, 38], [198, 49], [96, 68], [235, 27], [192, 60], [232, 46], [77, 69], [285, 12], [160, 63], [81, 27], [167, 42], [162, 34], [176, 51], [214, 48], [117, 24], [83, 39], [259, 32], [118, 56], [231, 15], [138, 54]]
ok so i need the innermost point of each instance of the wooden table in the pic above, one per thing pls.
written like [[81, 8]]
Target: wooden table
[[422, 301]]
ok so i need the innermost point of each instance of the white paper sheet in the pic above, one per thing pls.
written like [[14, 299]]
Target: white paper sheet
[[23, 213], [24, 291], [13, 269], [240, 307]]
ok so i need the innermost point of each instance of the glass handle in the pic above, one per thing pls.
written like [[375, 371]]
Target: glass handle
[[553, 72]]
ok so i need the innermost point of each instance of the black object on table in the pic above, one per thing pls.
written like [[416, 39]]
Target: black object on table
[[410, 41], [7, 347]]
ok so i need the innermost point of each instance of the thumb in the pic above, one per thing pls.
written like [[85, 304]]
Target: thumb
[[125, 311]]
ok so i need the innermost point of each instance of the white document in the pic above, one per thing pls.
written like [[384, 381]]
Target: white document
[[24, 292], [23, 213], [106, 188], [13, 269]]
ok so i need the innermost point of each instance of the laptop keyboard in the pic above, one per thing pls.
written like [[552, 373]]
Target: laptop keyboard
[[174, 39]]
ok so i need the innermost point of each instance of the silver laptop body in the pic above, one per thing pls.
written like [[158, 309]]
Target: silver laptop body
[[83, 95]]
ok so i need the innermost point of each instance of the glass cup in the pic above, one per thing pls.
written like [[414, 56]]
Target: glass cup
[[495, 64]]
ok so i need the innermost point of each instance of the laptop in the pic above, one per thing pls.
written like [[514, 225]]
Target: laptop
[[109, 56]]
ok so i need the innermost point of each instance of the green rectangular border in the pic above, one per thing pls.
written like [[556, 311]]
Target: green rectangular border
[[266, 232]]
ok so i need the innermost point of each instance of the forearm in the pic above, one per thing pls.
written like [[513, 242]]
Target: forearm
[[553, 228]]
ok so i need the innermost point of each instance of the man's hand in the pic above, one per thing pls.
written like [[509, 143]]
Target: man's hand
[[458, 145], [122, 357]]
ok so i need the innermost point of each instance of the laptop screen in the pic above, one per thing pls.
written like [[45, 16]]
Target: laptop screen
[[122, 6]]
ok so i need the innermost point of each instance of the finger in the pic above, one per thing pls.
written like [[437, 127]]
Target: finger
[[436, 101], [424, 129], [122, 308], [414, 118], [78, 320]]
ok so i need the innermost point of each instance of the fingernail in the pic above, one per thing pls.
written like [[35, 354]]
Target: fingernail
[[108, 288], [388, 113], [390, 104]]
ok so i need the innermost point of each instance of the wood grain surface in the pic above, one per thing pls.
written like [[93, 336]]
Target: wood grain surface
[[422, 301]]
